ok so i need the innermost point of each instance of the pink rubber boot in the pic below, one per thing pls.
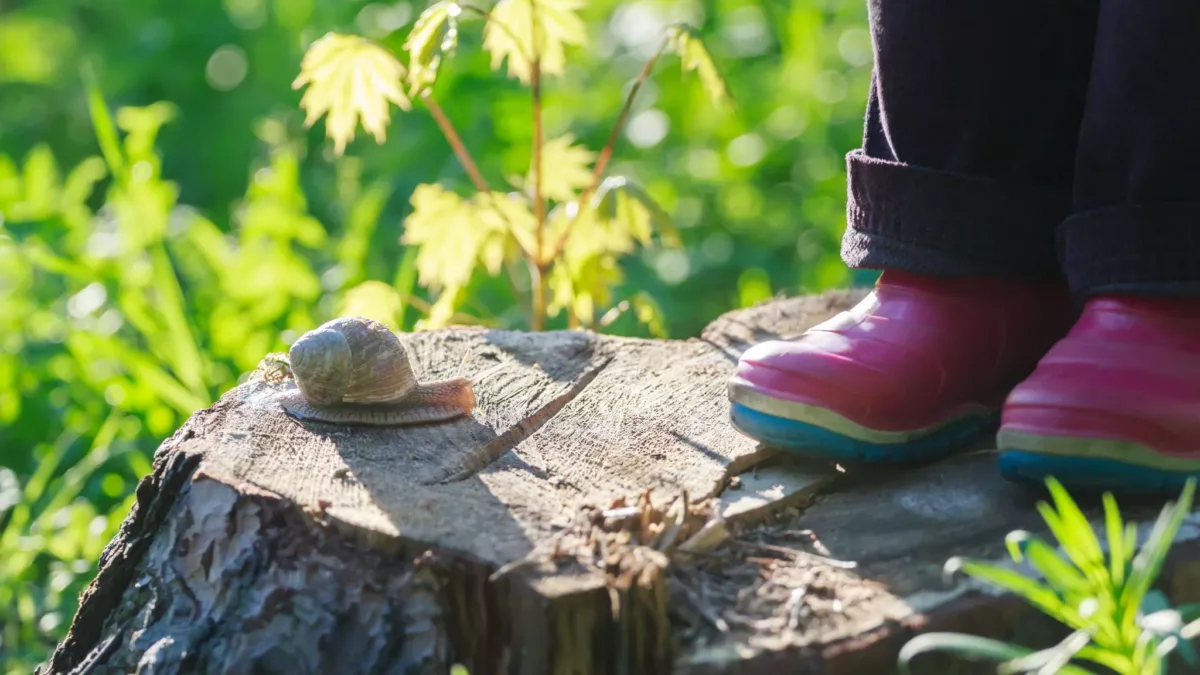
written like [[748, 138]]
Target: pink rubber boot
[[1116, 404], [915, 372]]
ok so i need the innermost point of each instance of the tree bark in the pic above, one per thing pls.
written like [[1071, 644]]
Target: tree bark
[[596, 514]]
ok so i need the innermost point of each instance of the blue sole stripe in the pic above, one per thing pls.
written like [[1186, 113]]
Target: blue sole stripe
[[1091, 473], [813, 441]]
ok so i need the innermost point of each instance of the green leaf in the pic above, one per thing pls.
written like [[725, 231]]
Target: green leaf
[[441, 224], [82, 180], [1120, 663], [373, 300], [348, 77], [694, 55], [1075, 534], [10, 490], [581, 284], [1062, 576], [434, 35], [42, 181], [106, 131], [650, 314], [968, 646], [622, 202], [361, 224], [566, 168], [406, 280], [455, 235], [509, 35], [1114, 529], [1031, 590], [1149, 561]]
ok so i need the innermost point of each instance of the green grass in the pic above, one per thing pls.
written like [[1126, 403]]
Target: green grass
[[1102, 589]]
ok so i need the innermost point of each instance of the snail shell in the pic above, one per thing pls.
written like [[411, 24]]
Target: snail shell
[[356, 371]]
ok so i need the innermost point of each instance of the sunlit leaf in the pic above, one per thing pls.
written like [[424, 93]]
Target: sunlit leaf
[[584, 273], [694, 55], [361, 223], [1149, 560], [509, 34], [373, 300], [442, 313], [1034, 592], [1114, 528], [42, 181], [1075, 533], [348, 77], [456, 235], [433, 35], [623, 202], [10, 489], [82, 179], [650, 314], [106, 131], [566, 168], [508, 212]]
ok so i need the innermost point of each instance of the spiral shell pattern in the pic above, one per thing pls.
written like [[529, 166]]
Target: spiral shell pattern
[[356, 371]]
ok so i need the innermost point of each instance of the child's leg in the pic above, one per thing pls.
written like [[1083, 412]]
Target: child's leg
[[1117, 403], [965, 171]]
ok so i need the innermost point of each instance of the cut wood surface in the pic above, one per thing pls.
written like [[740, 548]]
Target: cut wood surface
[[596, 514]]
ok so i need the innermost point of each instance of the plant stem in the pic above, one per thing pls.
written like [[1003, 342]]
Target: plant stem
[[452, 137], [541, 264], [538, 277], [606, 153]]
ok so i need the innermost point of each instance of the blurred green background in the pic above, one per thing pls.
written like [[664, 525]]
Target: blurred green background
[[125, 308]]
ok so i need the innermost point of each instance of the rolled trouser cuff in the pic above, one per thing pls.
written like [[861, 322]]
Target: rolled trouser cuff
[[1146, 249], [939, 223]]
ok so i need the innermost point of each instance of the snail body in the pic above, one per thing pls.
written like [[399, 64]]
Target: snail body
[[356, 371]]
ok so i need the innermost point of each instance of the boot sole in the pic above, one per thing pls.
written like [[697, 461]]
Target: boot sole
[[1093, 465], [810, 440]]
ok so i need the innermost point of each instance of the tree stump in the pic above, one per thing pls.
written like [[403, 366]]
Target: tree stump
[[597, 514]]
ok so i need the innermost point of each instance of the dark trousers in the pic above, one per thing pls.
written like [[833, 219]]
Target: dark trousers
[[1032, 139]]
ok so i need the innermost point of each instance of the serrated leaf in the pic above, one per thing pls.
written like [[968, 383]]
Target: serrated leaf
[[623, 202], [450, 236], [509, 213], [349, 77], [694, 56], [566, 168], [455, 235], [584, 273], [434, 35], [509, 35]]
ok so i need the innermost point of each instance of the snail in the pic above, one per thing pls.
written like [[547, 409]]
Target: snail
[[356, 371]]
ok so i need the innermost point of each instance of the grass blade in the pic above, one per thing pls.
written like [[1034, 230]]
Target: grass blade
[[1032, 591], [1116, 541], [1149, 560], [106, 131]]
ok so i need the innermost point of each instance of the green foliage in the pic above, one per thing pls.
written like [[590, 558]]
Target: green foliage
[[192, 188], [573, 254], [1118, 620]]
